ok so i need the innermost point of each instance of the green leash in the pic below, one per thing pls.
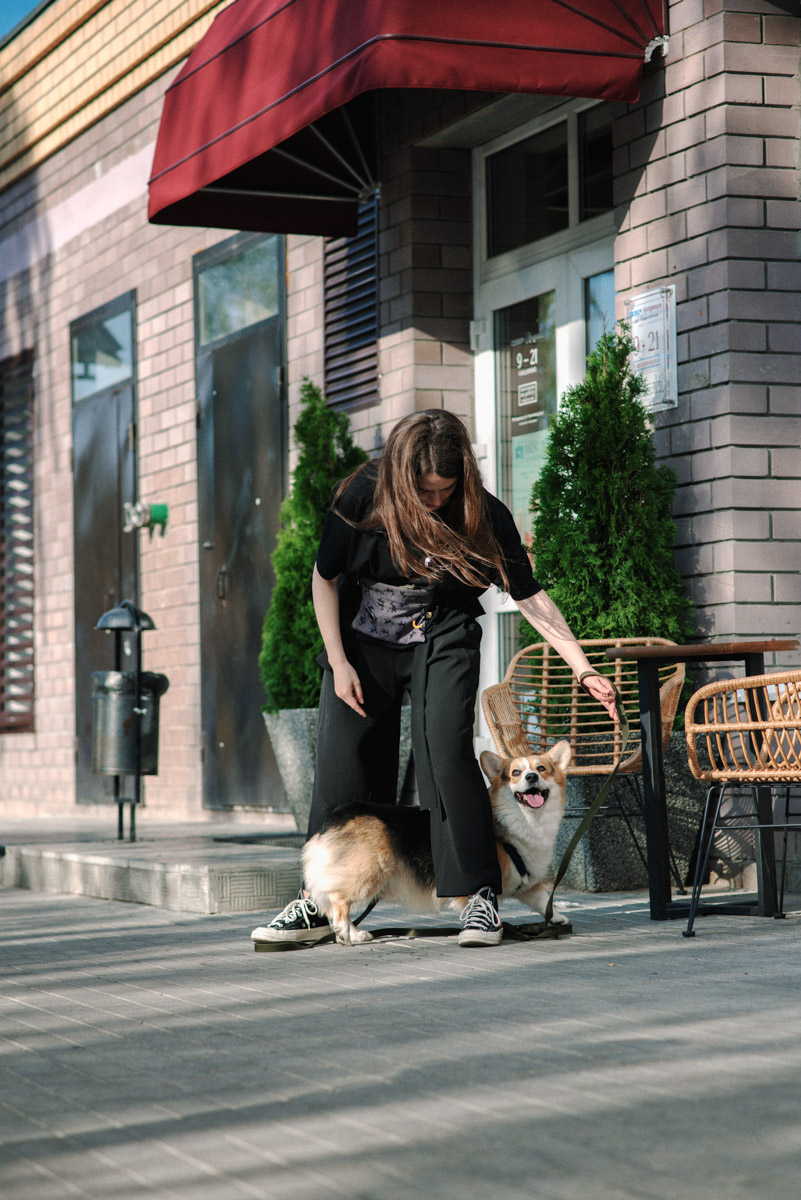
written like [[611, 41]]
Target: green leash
[[591, 812]]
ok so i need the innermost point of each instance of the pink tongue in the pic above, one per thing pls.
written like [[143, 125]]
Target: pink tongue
[[533, 799]]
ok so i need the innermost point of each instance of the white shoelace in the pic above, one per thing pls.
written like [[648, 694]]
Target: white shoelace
[[302, 907], [483, 910]]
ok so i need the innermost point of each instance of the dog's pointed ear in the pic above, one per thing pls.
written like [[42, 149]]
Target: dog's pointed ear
[[561, 755], [491, 764]]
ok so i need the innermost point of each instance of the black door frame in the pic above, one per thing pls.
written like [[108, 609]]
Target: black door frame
[[90, 644]]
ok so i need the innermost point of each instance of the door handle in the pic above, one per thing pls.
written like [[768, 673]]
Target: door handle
[[222, 583]]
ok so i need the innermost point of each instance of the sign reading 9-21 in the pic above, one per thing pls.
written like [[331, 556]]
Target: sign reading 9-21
[[652, 320]]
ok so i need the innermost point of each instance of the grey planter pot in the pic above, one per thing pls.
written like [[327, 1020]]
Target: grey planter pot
[[606, 859], [293, 734]]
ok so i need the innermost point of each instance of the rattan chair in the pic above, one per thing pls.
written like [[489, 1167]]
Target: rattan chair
[[746, 733], [539, 702]]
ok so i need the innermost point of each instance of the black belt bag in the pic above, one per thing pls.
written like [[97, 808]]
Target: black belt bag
[[394, 614]]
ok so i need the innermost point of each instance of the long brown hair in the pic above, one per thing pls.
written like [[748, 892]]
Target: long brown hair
[[421, 543]]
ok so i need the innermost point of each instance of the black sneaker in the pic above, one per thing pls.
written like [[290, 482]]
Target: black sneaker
[[301, 921], [482, 925]]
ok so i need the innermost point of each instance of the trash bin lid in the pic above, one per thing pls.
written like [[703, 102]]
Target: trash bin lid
[[125, 616]]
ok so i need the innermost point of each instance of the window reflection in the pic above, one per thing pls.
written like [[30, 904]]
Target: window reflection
[[102, 354], [238, 292], [599, 306], [526, 355]]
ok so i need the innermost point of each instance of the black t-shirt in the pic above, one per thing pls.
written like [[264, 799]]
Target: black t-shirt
[[356, 554]]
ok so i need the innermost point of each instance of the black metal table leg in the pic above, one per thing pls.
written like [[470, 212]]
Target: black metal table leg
[[655, 808], [766, 849]]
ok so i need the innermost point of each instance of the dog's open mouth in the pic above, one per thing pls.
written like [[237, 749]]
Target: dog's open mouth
[[535, 798]]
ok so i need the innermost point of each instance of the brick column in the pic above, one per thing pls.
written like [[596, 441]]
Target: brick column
[[707, 185], [426, 283]]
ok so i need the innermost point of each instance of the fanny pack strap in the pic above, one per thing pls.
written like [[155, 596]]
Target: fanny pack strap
[[591, 812]]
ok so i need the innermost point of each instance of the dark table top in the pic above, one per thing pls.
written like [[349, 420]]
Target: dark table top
[[702, 650]]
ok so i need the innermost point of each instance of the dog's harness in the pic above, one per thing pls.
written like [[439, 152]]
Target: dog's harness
[[517, 861]]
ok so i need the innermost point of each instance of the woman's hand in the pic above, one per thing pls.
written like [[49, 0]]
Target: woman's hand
[[348, 687], [326, 608], [601, 689]]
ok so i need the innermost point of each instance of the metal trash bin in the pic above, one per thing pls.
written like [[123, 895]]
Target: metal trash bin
[[114, 723]]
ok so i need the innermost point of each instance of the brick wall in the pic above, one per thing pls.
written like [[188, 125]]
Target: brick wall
[[425, 275], [426, 298], [78, 61], [304, 284], [103, 259], [706, 186], [426, 282]]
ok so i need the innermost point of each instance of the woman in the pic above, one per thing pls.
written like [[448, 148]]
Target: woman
[[408, 546]]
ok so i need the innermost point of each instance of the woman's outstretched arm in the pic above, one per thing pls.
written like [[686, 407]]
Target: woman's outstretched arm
[[541, 612]]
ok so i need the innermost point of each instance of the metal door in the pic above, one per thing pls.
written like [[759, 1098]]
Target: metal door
[[240, 469], [104, 477]]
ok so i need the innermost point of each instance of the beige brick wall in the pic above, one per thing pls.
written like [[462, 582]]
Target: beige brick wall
[[104, 259], [706, 186], [81, 59], [425, 290], [304, 284], [426, 283], [100, 262]]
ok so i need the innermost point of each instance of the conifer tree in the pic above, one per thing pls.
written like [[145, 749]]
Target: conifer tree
[[290, 638], [603, 526]]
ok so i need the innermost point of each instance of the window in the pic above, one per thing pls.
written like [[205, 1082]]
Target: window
[[543, 293], [595, 161], [527, 190], [551, 181], [350, 284], [102, 349], [16, 544], [238, 290], [599, 306]]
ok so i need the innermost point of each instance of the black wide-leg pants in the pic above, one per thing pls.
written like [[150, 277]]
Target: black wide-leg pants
[[357, 757]]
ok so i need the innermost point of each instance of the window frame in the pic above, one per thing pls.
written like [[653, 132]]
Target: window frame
[[578, 232]]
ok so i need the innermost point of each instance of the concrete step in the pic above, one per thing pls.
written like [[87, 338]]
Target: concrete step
[[198, 874]]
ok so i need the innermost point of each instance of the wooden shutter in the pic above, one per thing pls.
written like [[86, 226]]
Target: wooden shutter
[[351, 313], [16, 543]]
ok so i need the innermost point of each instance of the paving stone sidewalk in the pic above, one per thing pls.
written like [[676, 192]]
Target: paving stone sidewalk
[[152, 1054]]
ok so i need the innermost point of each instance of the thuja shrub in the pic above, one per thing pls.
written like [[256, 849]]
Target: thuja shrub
[[603, 526], [290, 638]]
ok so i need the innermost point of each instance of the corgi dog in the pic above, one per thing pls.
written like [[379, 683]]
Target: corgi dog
[[374, 851]]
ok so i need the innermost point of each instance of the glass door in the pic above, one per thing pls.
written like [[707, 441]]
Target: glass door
[[544, 292], [535, 330]]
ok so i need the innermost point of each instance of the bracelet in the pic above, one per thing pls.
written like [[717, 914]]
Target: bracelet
[[584, 675]]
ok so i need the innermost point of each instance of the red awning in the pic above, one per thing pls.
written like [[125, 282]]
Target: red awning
[[263, 127]]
